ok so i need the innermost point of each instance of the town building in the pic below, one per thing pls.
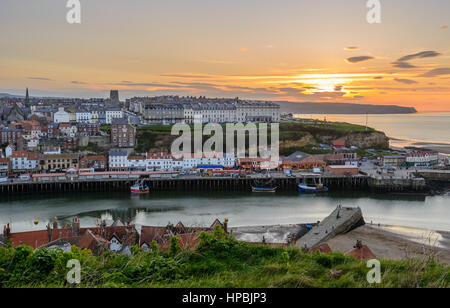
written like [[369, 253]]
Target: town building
[[87, 129], [22, 161], [83, 116], [113, 113], [137, 163], [123, 134], [97, 162], [11, 136], [422, 159], [118, 161], [61, 116], [4, 167], [393, 160], [59, 162], [69, 144]]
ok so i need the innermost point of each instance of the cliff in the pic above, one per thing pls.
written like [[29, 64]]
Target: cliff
[[342, 108], [365, 140]]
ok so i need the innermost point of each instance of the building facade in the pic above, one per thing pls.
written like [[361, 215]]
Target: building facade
[[123, 134]]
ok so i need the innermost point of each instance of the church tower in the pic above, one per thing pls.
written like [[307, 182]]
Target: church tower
[[27, 99]]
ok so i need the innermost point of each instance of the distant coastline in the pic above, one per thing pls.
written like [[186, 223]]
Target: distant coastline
[[342, 108]]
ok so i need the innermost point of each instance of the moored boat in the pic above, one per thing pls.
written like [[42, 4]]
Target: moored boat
[[140, 188], [312, 188], [264, 189]]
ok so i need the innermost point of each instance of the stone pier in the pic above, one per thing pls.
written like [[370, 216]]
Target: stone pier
[[342, 220]]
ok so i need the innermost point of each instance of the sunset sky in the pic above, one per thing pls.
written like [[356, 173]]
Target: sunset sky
[[296, 50]]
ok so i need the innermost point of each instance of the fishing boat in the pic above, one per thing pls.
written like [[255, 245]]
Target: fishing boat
[[264, 189], [140, 188], [264, 184], [312, 188]]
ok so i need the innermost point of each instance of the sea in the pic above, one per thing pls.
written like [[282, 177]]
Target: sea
[[403, 129]]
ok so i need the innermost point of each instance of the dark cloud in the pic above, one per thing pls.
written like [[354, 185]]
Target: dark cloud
[[378, 77], [186, 76], [77, 82], [403, 61], [405, 81], [443, 27], [352, 48], [359, 59], [40, 78], [437, 72], [338, 88], [420, 55], [149, 84], [402, 64]]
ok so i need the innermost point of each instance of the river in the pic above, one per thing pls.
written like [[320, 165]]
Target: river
[[201, 208]]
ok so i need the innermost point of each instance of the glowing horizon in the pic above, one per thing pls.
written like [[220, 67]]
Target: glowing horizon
[[299, 51]]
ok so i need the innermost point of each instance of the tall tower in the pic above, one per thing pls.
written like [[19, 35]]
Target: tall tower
[[114, 96], [27, 99]]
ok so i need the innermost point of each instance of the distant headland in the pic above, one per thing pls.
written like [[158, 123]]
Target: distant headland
[[342, 108]]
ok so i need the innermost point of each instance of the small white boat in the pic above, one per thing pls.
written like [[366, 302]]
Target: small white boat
[[314, 188], [264, 190]]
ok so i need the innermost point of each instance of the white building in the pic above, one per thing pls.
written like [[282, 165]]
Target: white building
[[137, 163], [83, 116], [159, 161], [61, 116], [118, 161], [24, 161], [9, 150], [422, 159], [113, 113]]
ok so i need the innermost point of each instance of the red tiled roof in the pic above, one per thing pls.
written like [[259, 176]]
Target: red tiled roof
[[91, 241], [334, 157], [93, 157], [421, 154], [361, 254], [150, 234], [324, 248], [339, 142], [137, 158]]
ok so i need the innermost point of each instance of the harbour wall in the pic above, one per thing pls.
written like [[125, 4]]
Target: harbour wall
[[284, 183]]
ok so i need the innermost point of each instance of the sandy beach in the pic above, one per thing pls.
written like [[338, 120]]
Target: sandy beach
[[388, 245], [385, 241], [400, 144], [443, 148]]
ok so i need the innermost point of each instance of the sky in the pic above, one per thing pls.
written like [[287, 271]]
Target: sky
[[295, 50]]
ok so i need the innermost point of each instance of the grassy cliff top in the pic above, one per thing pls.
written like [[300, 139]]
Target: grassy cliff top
[[218, 262]]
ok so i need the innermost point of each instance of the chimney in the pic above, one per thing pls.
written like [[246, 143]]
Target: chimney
[[7, 231], [75, 225], [225, 225], [55, 224], [49, 233]]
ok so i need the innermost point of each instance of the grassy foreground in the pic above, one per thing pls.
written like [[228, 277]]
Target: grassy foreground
[[217, 262]]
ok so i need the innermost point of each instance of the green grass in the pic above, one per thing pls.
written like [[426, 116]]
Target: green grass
[[218, 262], [159, 137]]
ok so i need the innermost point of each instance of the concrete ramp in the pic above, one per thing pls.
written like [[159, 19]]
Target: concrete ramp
[[342, 220]]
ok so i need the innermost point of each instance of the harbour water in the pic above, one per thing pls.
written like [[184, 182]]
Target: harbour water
[[242, 209], [405, 129]]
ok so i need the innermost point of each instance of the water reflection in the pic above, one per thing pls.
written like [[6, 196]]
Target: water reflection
[[201, 208]]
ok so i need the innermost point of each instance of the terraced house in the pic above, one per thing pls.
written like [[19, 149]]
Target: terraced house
[[123, 134], [59, 162]]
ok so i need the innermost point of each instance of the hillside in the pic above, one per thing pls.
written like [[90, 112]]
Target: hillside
[[219, 261], [295, 136]]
